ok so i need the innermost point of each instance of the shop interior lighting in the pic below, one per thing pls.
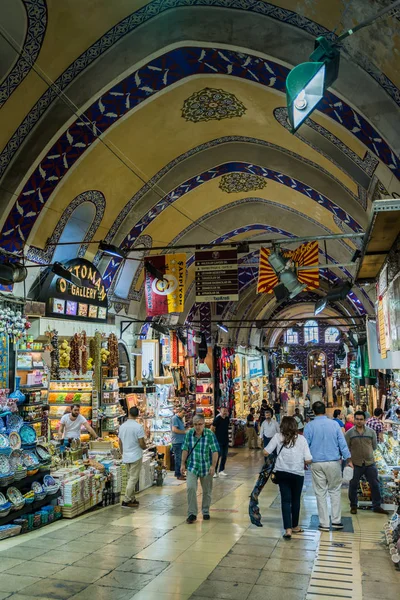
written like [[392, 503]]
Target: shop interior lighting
[[287, 276], [12, 273], [110, 250], [222, 327], [61, 271], [338, 292]]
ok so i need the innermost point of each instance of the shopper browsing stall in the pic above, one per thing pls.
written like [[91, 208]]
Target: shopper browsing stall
[[132, 444], [376, 423], [177, 438], [200, 450], [220, 427], [71, 423], [362, 442]]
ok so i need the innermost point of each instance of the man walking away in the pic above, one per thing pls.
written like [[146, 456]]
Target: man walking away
[[177, 438], [376, 424], [220, 427], [277, 410], [251, 432], [200, 449], [269, 428], [131, 444], [362, 443], [327, 446]]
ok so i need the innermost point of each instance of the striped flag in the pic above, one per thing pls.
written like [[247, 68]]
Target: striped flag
[[304, 255]]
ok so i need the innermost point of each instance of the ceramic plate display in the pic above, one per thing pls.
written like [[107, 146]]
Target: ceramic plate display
[[15, 496], [37, 488], [28, 434], [5, 467], [29, 459], [3, 499], [4, 442], [15, 440], [15, 458], [48, 480], [14, 423], [2, 426], [42, 453]]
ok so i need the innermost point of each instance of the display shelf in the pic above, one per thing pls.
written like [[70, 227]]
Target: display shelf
[[30, 368], [68, 404], [29, 508], [30, 351], [27, 481], [34, 387]]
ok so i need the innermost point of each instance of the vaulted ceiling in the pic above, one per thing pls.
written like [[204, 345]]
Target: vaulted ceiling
[[169, 119]]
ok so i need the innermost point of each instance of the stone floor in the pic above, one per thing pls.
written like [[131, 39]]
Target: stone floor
[[150, 553]]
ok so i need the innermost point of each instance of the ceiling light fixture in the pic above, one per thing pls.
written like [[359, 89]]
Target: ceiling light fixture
[[64, 273], [338, 292], [111, 250], [286, 274], [12, 273], [222, 327]]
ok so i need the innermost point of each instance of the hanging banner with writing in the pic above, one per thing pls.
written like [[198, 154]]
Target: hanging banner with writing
[[216, 276], [166, 295], [305, 255]]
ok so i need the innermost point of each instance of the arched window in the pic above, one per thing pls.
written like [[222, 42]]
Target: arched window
[[311, 332], [75, 231], [332, 335], [129, 273], [291, 337]]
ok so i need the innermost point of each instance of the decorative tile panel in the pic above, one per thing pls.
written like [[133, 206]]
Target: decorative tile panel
[[241, 182], [212, 104]]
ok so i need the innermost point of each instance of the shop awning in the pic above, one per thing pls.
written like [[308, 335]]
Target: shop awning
[[383, 229]]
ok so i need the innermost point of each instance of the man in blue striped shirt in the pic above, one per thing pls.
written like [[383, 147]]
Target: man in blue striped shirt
[[328, 446], [201, 449]]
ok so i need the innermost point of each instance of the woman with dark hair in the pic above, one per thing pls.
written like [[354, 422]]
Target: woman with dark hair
[[292, 454]]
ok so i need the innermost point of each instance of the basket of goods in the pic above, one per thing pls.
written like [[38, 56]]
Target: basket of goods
[[30, 461], [50, 485], [7, 531], [28, 435], [5, 506], [14, 423], [39, 491], [29, 497], [16, 498]]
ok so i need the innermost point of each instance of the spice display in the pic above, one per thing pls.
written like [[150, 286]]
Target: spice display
[[104, 353], [65, 352], [54, 354], [74, 362], [113, 358]]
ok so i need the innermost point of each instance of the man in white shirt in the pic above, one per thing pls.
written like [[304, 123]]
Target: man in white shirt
[[132, 444], [268, 428], [71, 423]]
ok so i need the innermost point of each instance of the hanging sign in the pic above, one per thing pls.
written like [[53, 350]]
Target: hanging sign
[[305, 255], [65, 300], [216, 276], [166, 295]]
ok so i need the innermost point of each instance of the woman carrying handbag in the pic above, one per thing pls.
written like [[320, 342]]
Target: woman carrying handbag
[[292, 454]]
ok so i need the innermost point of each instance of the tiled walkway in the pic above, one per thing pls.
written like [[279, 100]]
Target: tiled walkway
[[150, 553]]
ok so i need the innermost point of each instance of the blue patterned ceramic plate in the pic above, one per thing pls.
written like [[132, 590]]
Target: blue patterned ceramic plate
[[15, 440], [29, 459], [4, 441], [2, 426], [48, 480], [42, 453], [16, 459], [15, 496], [27, 434], [5, 466], [37, 488], [14, 422]]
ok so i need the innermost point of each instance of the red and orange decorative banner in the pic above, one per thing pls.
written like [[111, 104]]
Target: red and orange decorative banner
[[304, 255], [166, 295]]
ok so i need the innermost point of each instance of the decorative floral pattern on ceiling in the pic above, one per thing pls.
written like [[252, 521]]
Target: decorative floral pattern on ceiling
[[241, 182], [151, 78], [36, 15], [212, 104]]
